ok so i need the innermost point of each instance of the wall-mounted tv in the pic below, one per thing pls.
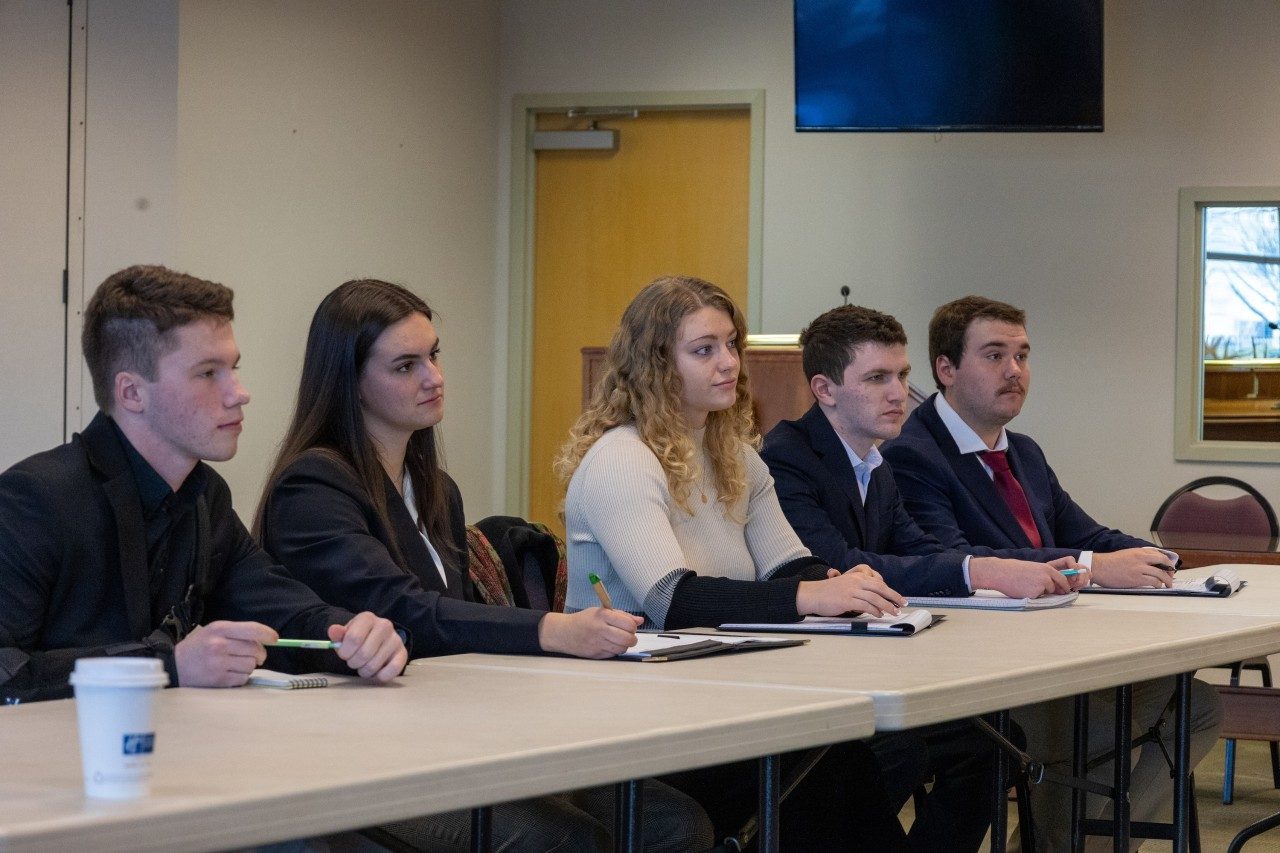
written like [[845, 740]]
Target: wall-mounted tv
[[948, 65]]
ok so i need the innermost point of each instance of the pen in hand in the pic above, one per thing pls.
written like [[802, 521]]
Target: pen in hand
[[601, 592], [304, 644]]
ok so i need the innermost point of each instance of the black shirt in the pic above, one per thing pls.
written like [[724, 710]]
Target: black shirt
[[171, 529]]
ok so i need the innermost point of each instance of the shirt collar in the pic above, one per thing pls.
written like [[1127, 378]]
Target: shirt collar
[[873, 458], [965, 438]]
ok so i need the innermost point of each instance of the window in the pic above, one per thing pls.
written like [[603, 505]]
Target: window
[[1228, 391]]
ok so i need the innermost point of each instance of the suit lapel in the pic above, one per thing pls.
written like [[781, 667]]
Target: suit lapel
[[107, 456], [414, 548], [968, 468], [835, 459], [1042, 523]]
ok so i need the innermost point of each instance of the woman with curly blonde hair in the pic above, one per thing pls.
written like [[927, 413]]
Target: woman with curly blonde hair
[[671, 506], [668, 502]]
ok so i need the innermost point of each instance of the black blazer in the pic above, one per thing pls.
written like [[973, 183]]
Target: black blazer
[[321, 524], [819, 495], [74, 580], [953, 498]]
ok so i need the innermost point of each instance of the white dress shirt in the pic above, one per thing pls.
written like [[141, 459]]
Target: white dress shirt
[[413, 513]]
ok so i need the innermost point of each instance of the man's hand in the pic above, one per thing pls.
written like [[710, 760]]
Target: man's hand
[[859, 590], [1022, 578], [591, 633], [221, 654], [1132, 567], [370, 646]]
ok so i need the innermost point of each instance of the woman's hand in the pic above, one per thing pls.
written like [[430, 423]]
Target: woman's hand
[[859, 590], [591, 633]]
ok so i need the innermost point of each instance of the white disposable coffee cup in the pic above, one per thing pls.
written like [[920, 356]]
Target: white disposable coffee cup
[[114, 698]]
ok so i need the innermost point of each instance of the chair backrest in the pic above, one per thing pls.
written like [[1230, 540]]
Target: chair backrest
[[1188, 519]]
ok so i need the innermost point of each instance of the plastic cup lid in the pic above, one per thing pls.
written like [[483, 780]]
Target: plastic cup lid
[[119, 672]]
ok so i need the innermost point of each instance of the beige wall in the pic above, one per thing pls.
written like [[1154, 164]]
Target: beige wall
[[1080, 229], [319, 142]]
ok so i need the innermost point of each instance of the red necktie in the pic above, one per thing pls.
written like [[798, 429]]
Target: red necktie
[[1011, 492]]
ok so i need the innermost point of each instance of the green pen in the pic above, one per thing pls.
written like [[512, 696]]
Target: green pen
[[304, 644], [1070, 573], [601, 592]]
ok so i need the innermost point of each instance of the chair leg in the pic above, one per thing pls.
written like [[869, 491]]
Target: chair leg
[[1253, 829], [1194, 819], [1026, 828], [1265, 670], [1228, 771]]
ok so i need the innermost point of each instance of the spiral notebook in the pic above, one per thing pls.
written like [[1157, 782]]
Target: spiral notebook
[[284, 681]]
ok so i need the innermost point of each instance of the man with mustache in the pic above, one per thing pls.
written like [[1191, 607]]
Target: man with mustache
[[971, 483]]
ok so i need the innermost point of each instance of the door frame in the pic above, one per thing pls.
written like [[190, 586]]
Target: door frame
[[525, 109]]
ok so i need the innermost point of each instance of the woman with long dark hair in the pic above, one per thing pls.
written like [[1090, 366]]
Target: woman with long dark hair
[[358, 507]]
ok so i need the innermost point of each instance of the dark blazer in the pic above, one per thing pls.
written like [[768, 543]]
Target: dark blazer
[[819, 495], [74, 579], [321, 524], [952, 497]]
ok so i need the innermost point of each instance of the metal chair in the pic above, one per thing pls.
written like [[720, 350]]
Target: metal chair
[[1254, 714], [1246, 522], [1188, 519]]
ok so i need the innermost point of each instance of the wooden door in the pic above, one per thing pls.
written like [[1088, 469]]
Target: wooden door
[[672, 199]]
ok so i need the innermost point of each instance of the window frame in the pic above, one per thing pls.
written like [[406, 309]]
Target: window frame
[[1188, 443]]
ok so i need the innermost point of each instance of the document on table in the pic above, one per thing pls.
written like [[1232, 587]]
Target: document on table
[[1221, 584], [909, 621], [657, 648], [989, 599]]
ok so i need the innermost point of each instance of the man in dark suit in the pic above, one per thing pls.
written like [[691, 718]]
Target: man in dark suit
[[123, 542], [971, 483], [840, 497]]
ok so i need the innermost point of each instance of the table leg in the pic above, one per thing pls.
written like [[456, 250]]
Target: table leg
[[1000, 789], [628, 799], [1182, 764], [770, 799], [1079, 764], [1123, 746], [481, 829]]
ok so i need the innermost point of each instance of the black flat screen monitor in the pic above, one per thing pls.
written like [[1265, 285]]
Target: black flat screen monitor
[[945, 65]]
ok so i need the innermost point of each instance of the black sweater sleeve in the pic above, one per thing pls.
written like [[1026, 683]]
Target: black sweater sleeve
[[706, 601]]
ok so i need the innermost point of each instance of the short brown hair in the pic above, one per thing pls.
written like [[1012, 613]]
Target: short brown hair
[[828, 343], [128, 323], [951, 321]]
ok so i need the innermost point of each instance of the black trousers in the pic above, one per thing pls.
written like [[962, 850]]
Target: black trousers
[[842, 804], [960, 760]]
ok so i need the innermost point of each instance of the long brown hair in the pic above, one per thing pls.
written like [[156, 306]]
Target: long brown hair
[[641, 386], [327, 417]]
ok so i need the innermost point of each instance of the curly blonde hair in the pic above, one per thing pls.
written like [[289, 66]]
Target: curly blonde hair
[[641, 386]]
